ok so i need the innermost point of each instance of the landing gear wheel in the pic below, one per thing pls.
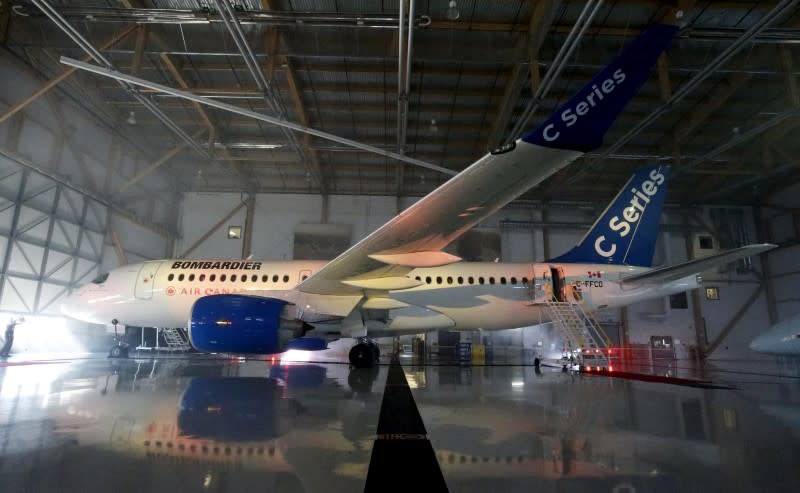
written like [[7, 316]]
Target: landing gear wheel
[[118, 352], [362, 355], [375, 350]]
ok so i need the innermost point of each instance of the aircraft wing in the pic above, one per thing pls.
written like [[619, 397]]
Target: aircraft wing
[[674, 272], [416, 237]]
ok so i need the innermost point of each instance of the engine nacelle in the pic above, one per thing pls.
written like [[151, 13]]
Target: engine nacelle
[[234, 323]]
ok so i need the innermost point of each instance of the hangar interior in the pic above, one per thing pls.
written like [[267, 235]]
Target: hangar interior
[[95, 174]]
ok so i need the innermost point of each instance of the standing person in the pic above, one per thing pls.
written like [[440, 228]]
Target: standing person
[[9, 337]]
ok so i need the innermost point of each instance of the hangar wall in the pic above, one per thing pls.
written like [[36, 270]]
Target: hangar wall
[[782, 223], [277, 215], [60, 175]]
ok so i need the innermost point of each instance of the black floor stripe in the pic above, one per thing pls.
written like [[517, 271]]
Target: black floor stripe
[[402, 456]]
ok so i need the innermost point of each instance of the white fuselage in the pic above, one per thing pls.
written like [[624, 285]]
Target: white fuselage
[[487, 296]]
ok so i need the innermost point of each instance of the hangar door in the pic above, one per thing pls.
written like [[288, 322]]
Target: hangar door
[[146, 279]]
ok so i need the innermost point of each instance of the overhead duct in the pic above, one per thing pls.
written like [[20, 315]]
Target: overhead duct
[[250, 114], [205, 16]]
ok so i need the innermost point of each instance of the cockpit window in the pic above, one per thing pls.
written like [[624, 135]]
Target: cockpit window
[[101, 278]]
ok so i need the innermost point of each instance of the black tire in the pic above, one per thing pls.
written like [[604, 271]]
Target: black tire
[[362, 356], [375, 350], [118, 352]]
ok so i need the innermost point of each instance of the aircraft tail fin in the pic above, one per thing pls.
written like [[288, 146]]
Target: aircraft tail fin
[[627, 231], [582, 122]]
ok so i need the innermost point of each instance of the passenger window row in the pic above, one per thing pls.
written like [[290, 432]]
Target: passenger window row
[[231, 278], [215, 450], [469, 280]]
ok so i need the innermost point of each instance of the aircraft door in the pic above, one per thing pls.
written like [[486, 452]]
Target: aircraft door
[[559, 283], [146, 280]]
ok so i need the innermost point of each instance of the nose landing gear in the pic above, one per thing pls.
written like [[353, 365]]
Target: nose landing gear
[[120, 347], [364, 354]]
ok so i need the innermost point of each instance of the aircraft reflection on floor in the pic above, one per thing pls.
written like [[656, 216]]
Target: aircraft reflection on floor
[[170, 425]]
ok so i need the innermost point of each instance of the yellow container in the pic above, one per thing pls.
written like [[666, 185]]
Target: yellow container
[[478, 354]]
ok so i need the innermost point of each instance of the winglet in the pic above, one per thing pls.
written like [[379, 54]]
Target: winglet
[[583, 121], [627, 231]]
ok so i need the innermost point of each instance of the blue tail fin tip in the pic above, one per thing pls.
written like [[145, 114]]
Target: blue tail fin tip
[[582, 122], [627, 231]]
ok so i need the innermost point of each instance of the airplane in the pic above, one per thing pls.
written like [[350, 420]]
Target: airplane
[[783, 338], [398, 280]]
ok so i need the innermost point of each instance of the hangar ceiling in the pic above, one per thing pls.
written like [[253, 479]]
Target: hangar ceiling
[[722, 106]]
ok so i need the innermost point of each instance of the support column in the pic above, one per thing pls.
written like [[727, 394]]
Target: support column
[[323, 218], [247, 240], [764, 236], [545, 234], [697, 311]]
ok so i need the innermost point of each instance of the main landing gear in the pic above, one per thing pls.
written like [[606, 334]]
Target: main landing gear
[[364, 354]]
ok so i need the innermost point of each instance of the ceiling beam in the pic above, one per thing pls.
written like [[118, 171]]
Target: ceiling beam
[[138, 49], [527, 52], [116, 38], [5, 21], [297, 100], [272, 40], [181, 80], [160, 161]]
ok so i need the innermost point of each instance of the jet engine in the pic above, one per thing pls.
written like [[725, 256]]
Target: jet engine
[[234, 323]]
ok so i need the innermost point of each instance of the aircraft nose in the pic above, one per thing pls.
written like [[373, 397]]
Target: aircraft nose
[[765, 343], [757, 345]]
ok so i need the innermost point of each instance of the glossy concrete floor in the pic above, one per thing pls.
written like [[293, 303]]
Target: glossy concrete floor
[[193, 424]]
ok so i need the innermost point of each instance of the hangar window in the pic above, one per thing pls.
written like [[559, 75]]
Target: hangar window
[[438, 279], [264, 278], [449, 280], [471, 280], [180, 277], [513, 280], [202, 277], [222, 277], [480, 280], [191, 277], [233, 277], [234, 232], [491, 280], [460, 280], [170, 277], [285, 278], [706, 242], [502, 280], [275, 278], [212, 277], [428, 280], [712, 293]]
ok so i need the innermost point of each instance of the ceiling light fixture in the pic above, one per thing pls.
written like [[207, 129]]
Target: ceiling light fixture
[[433, 128], [131, 120], [247, 145], [452, 11]]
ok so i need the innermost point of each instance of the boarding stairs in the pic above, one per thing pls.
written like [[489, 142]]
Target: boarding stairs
[[584, 337], [175, 339]]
